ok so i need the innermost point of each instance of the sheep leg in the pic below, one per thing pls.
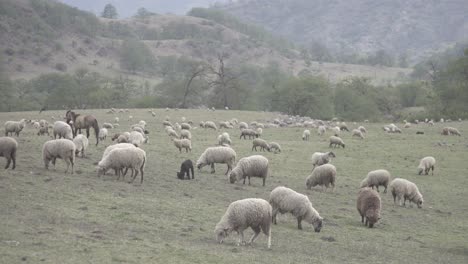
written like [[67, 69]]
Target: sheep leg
[[134, 176], [244, 180], [367, 222], [87, 132], [385, 191], [376, 187], [241, 238], [213, 168], [72, 165], [8, 163], [255, 235], [432, 170], [362, 219], [264, 178], [273, 215], [299, 224], [229, 168], [68, 165], [249, 180], [14, 161]]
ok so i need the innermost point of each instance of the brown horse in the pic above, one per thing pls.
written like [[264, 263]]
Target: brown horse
[[82, 121]]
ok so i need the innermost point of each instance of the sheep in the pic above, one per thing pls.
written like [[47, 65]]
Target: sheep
[[275, 146], [43, 123], [426, 164], [258, 132], [248, 132], [234, 121], [224, 138], [185, 126], [242, 214], [171, 132], [185, 169], [319, 158], [36, 125], [103, 134], [214, 155], [284, 200], [243, 125], [8, 148], [185, 134], [210, 124], [62, 130], [306, 135], [119, 145], [124, 158], [183, 144], [123, 138], [343, 127], [336, 130], [59, 148], [357, 133], [407, 125], [81, 144], [336, 141], [42, 131], [407, 190], [202, 124], [138, 129], [14, 127], [116, 120], [369, 205], [137, 139], [226, 125], [321, 130], [108, 125], [323, 175], [167, 124], [362, 129], [253, 166], [377, 178], [450, 131], [258, 142]]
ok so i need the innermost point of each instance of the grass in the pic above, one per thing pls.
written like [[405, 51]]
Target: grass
[[52, 217]]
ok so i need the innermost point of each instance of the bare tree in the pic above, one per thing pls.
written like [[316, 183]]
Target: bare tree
[[224, 79], [196, 70]]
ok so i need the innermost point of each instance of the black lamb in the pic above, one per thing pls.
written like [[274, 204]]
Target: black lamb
[[185, 169]]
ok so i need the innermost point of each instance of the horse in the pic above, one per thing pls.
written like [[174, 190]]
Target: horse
[[82, 121]]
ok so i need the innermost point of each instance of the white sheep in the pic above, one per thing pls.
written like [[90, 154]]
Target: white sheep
[[321, 130], [59, 148], [357, 133], [377, 178], [124, 158], [224, 138], [320, 158], [253, 166], [336, 130], [242, 214], [14, 127], [368, 205], [275, 147], [186, 126], [407, 190], [258, 132], [210, 124], [323, 175], [62, 130], [248, 132], [124, 138], [108, 125], [450, 131], [426, 164], [258, 142], [243, 125], [116, 146], [137, 139], [138, 129], [306, 135], [185, 134], [362, 129], [214, 155], [103, 134], [8, 149], [81, 144], [183, 144], [336, 141], [116, 120], [284, 200]]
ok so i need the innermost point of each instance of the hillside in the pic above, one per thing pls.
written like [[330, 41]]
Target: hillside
[[413, 28], [44, 36]]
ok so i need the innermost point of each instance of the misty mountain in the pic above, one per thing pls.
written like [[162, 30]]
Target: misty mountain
[[415, 28]]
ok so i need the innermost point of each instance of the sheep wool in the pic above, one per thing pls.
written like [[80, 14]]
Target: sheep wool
[[253, 166], [137, 139], [275, 147], [185, 134], [258, 142], [357, 133], [306, 135], [284, 200], [8, 148], [210, 124], [426, 164], [14, 127], [377, 178], [183, 144], [59, 148], [242, 214], [62, 130], [103, 133], [321, 130], [81, 144], [402, 188], [214, 155], [124, 158], [319, 158], [369, 205], [336, 141], [224, 138], [323, 175]]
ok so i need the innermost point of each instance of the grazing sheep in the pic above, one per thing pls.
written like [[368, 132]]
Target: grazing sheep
[[108, 125], [258, 142], [210, 124], [185, 126], [43, 123], [336, 141], [14, 127], [167, 124], [284, 200], [323, 175], [426, 164], [226, 125], [321, 130], [36, 125], [358, 133], [306, 135], [242, 214], [214, 155], [185, 169], [450, 131], [171, 132], [62, 130], [258, 132], [137, 139], [224, 138], [116, 146], [124, 158], [248, 132], [275, 147], [138, 129], [253, 166], [183, 144], [369, 205], [103, 134], [202, 124], [81, 144], [377, 178], [319, 158], [43, 130], [185, 134], [343, 127], [336, 130], [59, 148], [243, 125], [407, 190], [123, 138], [407, 125], [362, 129], [8, 148]]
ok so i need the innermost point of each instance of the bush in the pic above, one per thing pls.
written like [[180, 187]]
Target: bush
[[61, 67]]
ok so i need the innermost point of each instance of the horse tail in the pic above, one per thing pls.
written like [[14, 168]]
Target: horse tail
[[96, 130]]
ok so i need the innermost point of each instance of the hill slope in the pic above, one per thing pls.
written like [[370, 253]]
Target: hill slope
[[414, 28], [43, 36]]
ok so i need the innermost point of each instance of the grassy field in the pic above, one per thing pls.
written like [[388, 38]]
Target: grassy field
[[52, 217]]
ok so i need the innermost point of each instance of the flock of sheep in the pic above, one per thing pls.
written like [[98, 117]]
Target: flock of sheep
[[127, 154]]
